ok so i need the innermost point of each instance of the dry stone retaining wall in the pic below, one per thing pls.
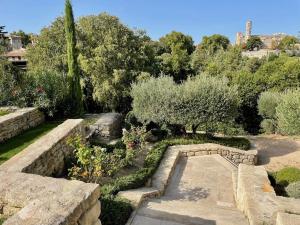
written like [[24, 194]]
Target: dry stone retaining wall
[[18, 121], [257, 199], [236, 156], [30, 198]]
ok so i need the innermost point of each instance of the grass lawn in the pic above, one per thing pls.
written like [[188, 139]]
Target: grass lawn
[[16, 144], [3, 112]]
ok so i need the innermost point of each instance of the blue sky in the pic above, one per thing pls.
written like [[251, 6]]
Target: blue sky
[[158, 17]]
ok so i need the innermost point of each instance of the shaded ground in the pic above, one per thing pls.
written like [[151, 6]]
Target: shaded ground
[[200, 193], [276, 152]]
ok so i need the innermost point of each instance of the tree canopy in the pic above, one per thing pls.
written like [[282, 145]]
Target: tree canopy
[[254, 42]]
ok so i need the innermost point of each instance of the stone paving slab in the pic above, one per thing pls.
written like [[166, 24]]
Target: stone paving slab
[[200, 192]]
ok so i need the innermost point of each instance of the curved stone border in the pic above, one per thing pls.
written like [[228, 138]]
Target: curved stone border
[[18, 121], [257, 199]]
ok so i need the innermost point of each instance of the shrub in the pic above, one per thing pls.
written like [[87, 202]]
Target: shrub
[[200, 100], [94, 164], [267, 103], [293, 190], [288, 113], [114, 210], [268, 126], [287, 176]]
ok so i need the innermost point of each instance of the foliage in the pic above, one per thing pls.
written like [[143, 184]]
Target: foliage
[[267, 103], [114, 210], [278, 74], [200, 100], [254, 42], [112, 57], [3, 112], [17, 144], [212, 44], [49, 52], [135, 137], [93, 164], [49, 92], [288, 43], [75, 93], [288, 113], [287, 176], [207, 51], [177, 49], [293, 190]]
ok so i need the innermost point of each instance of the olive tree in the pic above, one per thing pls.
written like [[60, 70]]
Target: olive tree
[[201, 100]]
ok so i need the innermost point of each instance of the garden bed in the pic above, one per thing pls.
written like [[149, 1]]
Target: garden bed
[[16, 144]]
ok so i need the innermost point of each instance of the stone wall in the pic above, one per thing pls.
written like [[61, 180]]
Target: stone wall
[[47, 155], [18, 121], [236, 156], [28, 197], [257, 199]]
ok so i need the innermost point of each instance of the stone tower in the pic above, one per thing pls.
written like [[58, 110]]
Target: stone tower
[[248, 29]]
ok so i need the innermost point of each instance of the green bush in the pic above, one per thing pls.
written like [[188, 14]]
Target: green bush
[[268, 126], [287, 176], [293, 190], [267, 103], [288, 113], [114, 210]]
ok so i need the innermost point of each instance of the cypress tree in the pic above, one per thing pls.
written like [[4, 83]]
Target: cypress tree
[[75, 93]]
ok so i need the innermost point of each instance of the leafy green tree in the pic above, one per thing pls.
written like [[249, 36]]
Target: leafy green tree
[[112, 58], [178, 39], [208, 49], [176, 55], [49, 52], [212, 44], [288, 43], [73, 69], [278, 74], [254, 42], [25, 38]]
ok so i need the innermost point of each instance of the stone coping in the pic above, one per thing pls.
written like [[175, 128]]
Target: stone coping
[[18, 121], [39, 149], [234, 155], [35, 200], [257, 198]]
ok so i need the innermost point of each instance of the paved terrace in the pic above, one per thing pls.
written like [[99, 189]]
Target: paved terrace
[[200, 192]]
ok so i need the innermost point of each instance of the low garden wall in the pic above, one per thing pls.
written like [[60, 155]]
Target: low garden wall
[[48, 154], [28, 197], [257, 199], [18, 121], [236, 156]]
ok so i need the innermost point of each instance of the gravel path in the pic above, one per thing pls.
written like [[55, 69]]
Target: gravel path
[[276, 152]]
